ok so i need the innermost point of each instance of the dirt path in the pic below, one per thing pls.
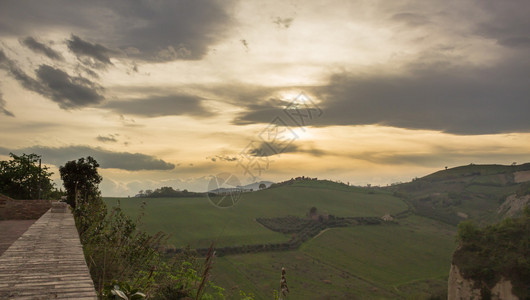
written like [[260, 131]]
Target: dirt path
[[320, 233], [11, 230]]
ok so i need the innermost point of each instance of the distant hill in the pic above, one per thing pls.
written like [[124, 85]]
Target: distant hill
[[245, 188], [486, 193], [255, 186]]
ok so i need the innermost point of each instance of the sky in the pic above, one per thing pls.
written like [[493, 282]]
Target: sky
[[171, 93]]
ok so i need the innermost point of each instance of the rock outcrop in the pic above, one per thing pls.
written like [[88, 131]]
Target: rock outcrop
[[461, 288], [514, 205]]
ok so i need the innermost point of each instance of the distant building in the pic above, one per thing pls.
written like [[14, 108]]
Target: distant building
[[387, 218]]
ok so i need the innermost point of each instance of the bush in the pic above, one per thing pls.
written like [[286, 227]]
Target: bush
[[502, 250], [125, 260]]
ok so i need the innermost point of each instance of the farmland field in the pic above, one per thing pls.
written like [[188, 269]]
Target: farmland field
[[196, 222], [410, 258]]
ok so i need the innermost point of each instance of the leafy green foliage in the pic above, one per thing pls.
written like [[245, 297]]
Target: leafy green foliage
[[124, 260], [114, 248], [122, 290], [80, 178], [21, 178], [502, 250], [119, 253]]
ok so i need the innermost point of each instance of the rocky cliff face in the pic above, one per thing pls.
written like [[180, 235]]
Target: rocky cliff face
[[514, 205], [461, 288]]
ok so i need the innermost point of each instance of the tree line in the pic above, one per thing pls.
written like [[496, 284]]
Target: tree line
[[24, 177], [167, 192]]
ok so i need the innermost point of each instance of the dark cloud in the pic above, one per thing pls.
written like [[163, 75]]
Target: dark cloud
[[111, 138], [85, 49], [38, 47], [506, 21], [261, 111], [3, 107], [107, 159], [460, 99], [26, 81], [161, 30], [516, 42], [441, 156], [222, 158], [87, 71], [428, 95], [157, 106], [69, 91], [55, 84], [265, 149]]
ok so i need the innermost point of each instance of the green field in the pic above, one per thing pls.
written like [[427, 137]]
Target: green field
[[403, 260], [196, 222], [409, 260]]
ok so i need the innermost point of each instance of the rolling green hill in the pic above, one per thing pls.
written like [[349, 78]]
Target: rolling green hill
[[468, 192], [406, 258], [195, 221]]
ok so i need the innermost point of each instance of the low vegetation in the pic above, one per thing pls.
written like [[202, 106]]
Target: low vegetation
[[488, 254], [125, 262]]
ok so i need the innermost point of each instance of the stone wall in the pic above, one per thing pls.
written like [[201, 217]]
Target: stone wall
[[11, 209]]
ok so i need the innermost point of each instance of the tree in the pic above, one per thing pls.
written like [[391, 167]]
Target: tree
[[80, 179], [22, 177], [312, 211]]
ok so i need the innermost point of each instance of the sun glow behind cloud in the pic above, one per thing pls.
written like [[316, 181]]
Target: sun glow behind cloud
[[405, 87]]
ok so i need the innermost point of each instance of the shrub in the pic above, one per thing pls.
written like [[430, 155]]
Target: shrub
[[502, 250]]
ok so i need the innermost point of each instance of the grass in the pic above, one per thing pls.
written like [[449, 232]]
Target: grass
[[196, 222], [475, 190], [416, 249], [410, 260], [307, 278]]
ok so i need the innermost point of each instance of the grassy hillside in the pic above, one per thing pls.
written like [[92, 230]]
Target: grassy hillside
[[467, 192], [340, 263], [408, 258], [196, 222]]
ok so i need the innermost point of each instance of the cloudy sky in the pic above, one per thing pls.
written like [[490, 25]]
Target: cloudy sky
[[172, 92]]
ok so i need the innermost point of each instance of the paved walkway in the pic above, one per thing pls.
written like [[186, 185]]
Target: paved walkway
[[11, 230], [46, 262]]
